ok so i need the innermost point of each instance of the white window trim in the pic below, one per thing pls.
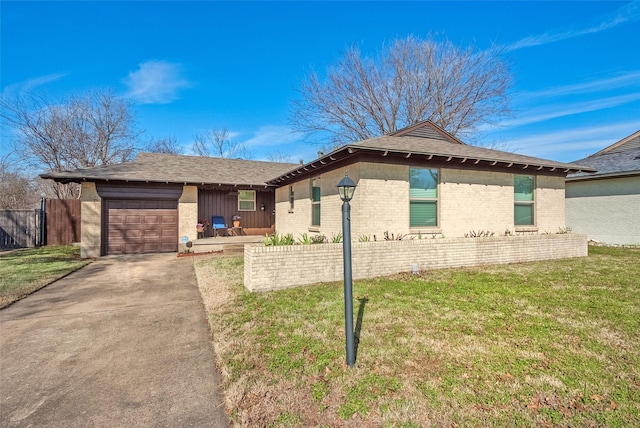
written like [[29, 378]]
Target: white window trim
[[427, 229], [315, 227], [247, 200], [527, 227]]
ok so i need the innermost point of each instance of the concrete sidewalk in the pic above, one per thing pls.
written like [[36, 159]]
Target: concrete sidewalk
[[122, 342]]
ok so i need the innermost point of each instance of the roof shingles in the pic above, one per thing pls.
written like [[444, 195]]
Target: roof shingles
[[168, 168]]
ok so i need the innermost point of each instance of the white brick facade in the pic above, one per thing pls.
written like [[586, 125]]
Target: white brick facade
[[468, 200], [272, 268]]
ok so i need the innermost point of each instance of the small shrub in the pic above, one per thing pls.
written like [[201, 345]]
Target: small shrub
[[305, 239], [336, 239], [479, 234], [392, 237], [279, 239], [364, 238], [318, 239]]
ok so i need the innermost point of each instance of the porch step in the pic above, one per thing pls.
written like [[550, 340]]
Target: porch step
[[228, 245]]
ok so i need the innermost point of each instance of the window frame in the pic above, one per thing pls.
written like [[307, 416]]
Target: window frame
[[430, 200], [291, 198], [240, 200], [531, 204], [315, 203]]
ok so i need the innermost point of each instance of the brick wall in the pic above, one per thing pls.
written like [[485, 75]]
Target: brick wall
[[469, 200], [187, 215], [91, 221], [272, 268]]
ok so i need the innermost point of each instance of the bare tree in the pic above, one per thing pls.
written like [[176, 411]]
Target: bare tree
[[279, 156], [17, 191], [218, 143], [167, 145], [78, 132], [412, 80]]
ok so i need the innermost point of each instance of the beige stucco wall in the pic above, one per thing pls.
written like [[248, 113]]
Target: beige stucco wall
[[187, 215], [607, 210], [91, 221], [468, 201]]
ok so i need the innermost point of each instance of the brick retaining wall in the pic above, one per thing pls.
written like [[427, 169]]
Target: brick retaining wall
[[273, 268]]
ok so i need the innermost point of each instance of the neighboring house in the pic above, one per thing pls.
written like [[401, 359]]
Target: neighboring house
[[151, 203], [606, 206], [418, 181], [422, 181]]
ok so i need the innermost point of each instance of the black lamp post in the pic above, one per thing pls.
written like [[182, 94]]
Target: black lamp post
[[346, 188]]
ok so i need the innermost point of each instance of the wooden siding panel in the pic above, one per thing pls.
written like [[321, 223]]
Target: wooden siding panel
[[225, 203]]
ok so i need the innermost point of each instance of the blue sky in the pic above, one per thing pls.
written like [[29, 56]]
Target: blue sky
[[193, 66]]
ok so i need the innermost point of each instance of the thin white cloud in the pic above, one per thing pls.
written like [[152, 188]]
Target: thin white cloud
[[574, 143], [272, 136], [30, 84], [627, 13], [630, 79], [156, 82], [541, 114]]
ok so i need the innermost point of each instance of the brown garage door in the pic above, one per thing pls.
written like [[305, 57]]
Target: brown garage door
[[141, 226]]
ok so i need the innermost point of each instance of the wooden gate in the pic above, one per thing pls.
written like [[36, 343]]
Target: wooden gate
[[63, 221]]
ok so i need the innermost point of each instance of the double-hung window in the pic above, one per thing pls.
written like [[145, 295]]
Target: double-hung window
[[292, 198], [315, 202], [247, 200], [423, 197], [523, 186]]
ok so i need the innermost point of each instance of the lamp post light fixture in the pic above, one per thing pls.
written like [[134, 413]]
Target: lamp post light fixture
[[346, 188]]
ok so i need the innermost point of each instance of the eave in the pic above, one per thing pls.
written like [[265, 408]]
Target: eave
[[346, 153]]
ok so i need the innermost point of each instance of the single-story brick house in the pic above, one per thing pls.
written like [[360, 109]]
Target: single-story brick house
[[153, 202], [419, 180], [606, 205], [423, 181]]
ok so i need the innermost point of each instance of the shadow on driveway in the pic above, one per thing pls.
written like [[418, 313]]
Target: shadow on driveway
[[123, 341]]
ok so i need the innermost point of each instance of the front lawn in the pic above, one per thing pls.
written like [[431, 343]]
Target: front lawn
[[24, 271], [553, 343]]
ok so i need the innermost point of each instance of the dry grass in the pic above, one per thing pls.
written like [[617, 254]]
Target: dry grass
[[536, 344], [27, 270]]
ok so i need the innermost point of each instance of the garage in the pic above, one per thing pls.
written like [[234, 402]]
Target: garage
[[136, 227], [139, 219]]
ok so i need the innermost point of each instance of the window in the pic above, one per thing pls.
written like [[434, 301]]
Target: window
[[247, 200], [291, 198], [423, 197], [315, 202], [523, 186]]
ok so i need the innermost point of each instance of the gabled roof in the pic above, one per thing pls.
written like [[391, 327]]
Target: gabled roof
[[428, 143], [168, 168], [619, 159]]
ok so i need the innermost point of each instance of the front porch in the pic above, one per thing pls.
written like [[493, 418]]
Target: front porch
[[227, 244]]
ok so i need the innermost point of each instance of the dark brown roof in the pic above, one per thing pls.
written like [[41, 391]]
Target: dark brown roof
[[168, 168], [405, 145]]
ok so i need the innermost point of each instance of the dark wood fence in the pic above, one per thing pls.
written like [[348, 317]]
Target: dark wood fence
[[19, 228], [63, 221], [22, 228]]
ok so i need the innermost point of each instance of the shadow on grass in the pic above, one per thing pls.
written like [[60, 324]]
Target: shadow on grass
[[363, 301]]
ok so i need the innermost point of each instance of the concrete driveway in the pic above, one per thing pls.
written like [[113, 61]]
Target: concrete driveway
[[122, 342]]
